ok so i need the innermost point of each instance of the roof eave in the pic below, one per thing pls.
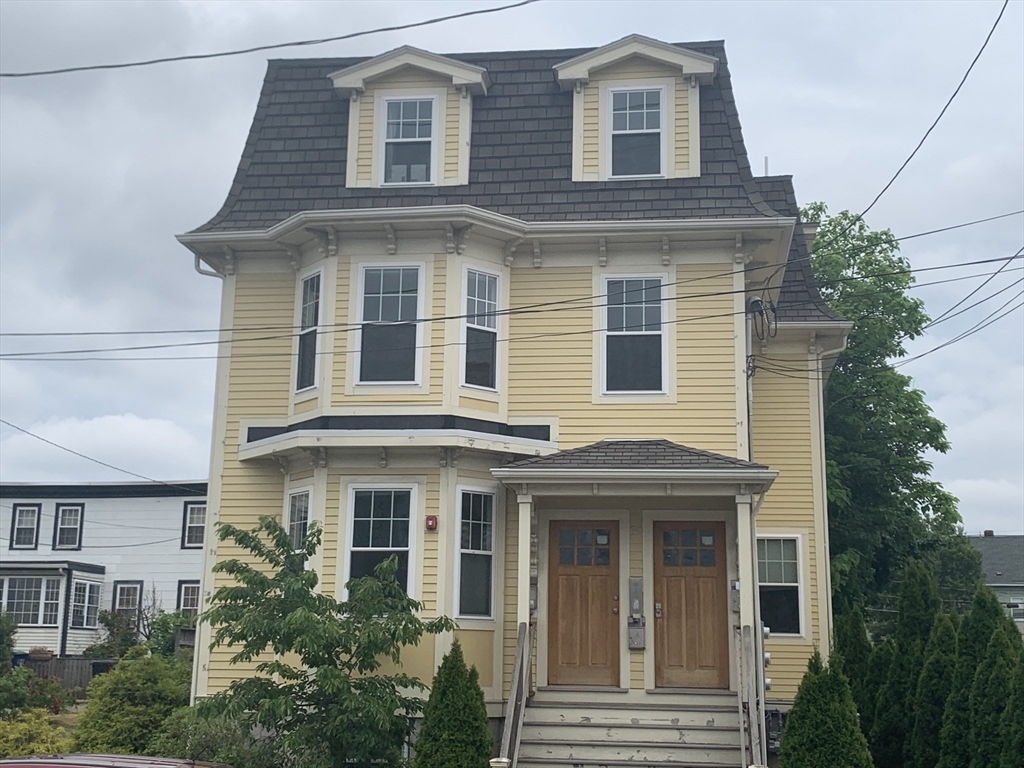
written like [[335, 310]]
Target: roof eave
[[352, 80], [691, 63]]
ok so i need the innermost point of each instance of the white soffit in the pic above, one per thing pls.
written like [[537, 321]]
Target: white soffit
[[690, 63], [353, 79]]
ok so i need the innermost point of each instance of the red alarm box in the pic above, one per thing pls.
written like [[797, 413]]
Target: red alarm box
[[431, 522]]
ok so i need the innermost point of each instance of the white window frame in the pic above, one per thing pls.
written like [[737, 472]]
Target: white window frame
[[59, 509], [464, 295], [663, 130], [90, 588], [604, 333], [382, 131], [44, 584], [491, 491], [306, 490], [186, 526], [802, 580], [412, 582], [115, 603], [15, 510], [182, 586], [359, 322], [299, 331]]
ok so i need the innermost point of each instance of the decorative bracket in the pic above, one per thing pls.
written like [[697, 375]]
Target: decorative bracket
[[602, 252], [510, 250], [455, 454], [382, 458], [294, 254], [443, 457], [321, 458], [327, 240], [229, 260], [455, 239], [389, 232], [666, 251], [536, 254], [578, 86], [282, 463]]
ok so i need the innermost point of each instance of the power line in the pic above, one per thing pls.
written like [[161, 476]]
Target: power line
[[946, 315], [257, 48]]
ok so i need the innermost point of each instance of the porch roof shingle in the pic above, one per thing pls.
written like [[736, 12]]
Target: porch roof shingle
[[615, 454]]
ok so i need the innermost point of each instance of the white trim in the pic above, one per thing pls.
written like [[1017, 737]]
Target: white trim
[[349, 486], [803, 579], [37, 509], [90, 585], [663, 331], [5, 586], [464, 324], [578, 68], [58, 510], [354, 78], [287, 514], [492, 491], [300, 282], [358, 321], [608, 91], [380, 145]]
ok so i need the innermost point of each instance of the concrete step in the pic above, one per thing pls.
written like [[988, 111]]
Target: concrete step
[[662, 733], [539, 713]]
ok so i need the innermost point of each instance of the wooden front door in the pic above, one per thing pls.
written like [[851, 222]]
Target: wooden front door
[[583, 603], [691, 633]]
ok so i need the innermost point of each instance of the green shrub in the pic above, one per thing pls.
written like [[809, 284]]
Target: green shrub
[[853, 645], [21, 689], [1012, 724], [32, 733], [822, 728], [455, 732], [8, 626], [121, 634], [163, 629], [990, 694], [128, 704], [933, 688], [878, 670]]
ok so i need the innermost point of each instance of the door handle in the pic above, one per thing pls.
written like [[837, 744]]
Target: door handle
[[657, 610]]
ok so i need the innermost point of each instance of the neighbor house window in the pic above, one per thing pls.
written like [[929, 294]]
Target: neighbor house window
[[778, 578], [85, 604], [481, 329], [193, 525], [67, 532], [390, 305], [31, 600], [128, 599], [476, 554], [633, 340], [25, 526], [298, 517], [380, 529], [408, 141], [309, 321], [636, 133], [188, 598]]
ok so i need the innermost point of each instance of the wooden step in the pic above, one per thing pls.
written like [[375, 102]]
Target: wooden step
[[660, 733]]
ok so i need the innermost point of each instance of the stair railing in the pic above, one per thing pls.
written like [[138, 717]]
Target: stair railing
[[519, 691]]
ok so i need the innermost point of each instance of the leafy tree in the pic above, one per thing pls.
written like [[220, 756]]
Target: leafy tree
[[884, 509], [822, 726], [128, 704], [32, 733], [120, 634], [163, 629], [878, 671], [21, 690], [989, 696], [853, 645], [8, 626], [334, 696], [455, 732], [972, 642], [933, 689], [1012, 724]]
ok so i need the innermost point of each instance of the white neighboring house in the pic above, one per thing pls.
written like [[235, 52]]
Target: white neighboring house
[[68, 552]]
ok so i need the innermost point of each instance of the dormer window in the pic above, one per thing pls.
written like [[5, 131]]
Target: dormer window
[[636, 132], [409, 141]]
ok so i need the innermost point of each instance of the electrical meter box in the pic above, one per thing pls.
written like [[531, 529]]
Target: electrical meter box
[[636, 624]]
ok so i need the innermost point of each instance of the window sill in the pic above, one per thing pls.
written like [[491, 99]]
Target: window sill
[[24, 547], [478, 389], [310, 391], [384, 184], [388, 384], [637, 177]]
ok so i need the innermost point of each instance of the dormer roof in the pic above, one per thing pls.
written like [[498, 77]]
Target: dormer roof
[[353, 79], [690, 63]]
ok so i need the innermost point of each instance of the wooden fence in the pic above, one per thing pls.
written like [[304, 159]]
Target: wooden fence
[[74, 674]]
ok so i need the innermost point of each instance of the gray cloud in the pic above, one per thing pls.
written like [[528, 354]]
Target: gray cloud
[[98, 171]]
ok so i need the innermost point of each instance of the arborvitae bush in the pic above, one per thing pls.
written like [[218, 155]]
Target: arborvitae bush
[[878, 670], [972, 641], [989, 696], [853, 645], [455, 732], [822, 727], [31, 733], [1012, 723], [933, 689]]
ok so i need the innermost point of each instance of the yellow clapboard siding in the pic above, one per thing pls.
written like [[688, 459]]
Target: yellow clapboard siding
[[591, 115], [682, 124], [511, 592], [451, 134], [364, 153]]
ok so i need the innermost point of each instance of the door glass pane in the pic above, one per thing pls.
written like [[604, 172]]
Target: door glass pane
[[584, 537], [670, 557], [584, 556], [566, 555], [707, 538], [567, 537], [670, 538], [602, 556], [707, 558], [688, 538], [689, 557]]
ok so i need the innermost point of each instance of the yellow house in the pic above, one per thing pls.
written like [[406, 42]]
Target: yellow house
[[500, 314]]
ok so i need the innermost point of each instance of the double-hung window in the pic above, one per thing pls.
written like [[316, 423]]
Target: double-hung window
[[388, 343], [476, 554], [778, 578], [408, 141], [481, 329], [128, 599], [25, 526], [298, 517], [31, 600], [67, 533], [188, 598], [380, 529], [193, 525], [633, 335], [85, 604], [309, 322], [636, 139]]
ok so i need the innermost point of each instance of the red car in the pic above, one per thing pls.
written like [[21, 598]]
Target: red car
[[104, 761]]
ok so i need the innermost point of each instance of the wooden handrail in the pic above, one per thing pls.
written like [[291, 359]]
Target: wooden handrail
[[519, 691]]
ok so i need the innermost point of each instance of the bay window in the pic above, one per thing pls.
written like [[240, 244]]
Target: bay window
[[481, 356], [389, 330], [380, 529], [476, 554], [309, 322]]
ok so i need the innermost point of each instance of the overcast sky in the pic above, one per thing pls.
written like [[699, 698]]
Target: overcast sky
[[99, 171]]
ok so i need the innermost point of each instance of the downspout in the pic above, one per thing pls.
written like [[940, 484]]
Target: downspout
[[206, 272]]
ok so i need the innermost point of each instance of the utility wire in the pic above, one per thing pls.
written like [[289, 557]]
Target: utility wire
[[272, 47], [946, 315]]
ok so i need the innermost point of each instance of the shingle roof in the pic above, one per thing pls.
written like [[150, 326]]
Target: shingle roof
[[520, 156], [1002, 558], [634, 454]]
